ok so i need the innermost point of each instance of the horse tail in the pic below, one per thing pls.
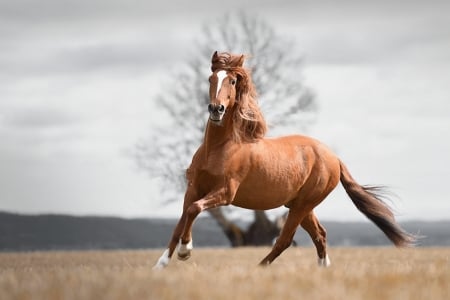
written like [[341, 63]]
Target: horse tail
[[368, 200]]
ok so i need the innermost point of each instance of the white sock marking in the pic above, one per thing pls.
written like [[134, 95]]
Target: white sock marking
[[163, 261], [324, 262], [184, 249]]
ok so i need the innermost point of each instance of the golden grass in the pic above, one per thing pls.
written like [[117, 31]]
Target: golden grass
[[355, 273]]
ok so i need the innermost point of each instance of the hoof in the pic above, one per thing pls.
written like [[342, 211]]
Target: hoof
[[184, 256]]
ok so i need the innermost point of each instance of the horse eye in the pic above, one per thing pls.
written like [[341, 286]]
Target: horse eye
[[233, 82]]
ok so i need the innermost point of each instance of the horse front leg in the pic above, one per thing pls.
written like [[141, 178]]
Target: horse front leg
[[220, 197], [180, 228], [210, 201], [163, 261], [185, 248]]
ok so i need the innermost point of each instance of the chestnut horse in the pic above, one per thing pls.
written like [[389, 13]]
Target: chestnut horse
[[236, 165]]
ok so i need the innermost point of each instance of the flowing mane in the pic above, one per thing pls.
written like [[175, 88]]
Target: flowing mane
[[249, 124]]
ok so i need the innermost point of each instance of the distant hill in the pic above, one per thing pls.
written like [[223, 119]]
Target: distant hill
[[56, 232], [64, 232]]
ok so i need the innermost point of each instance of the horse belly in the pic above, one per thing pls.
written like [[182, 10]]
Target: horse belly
[[276, 176], [263, 193]]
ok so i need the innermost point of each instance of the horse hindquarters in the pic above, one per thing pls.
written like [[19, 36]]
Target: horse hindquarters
[[368, 200]]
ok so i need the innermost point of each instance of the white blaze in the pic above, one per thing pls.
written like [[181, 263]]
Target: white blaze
[[221, 76]]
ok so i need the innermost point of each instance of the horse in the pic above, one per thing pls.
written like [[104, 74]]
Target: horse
[[237, 165]]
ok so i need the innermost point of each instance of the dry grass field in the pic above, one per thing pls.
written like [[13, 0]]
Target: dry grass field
[[355, 273]]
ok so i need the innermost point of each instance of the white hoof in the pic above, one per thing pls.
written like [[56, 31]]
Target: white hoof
[[324, 262], [163, 261], [184, 250]]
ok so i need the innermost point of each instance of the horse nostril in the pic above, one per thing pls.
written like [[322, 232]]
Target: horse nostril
[[216, 108]]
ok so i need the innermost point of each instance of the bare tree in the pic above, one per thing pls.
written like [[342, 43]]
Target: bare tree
[[275, 66]]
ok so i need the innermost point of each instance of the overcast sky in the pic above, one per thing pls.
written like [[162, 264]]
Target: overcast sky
[[78, 80]]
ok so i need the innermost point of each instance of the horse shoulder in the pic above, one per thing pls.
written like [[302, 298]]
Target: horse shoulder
[[236, 160], [196, 167]]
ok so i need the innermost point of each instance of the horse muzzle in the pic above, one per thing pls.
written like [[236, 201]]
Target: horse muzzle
[[216, 112]]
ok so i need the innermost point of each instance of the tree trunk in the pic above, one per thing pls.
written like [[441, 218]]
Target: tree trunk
[[233, 232], [261, 232]]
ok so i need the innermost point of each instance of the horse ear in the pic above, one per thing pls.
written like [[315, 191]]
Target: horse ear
[[241, 60], [214, 58], [241, 86]]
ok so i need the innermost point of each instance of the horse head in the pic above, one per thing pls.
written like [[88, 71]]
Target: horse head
[[225, 84]]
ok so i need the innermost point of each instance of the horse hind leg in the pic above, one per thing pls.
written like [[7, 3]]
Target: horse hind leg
[[286, 236], [318, 235]]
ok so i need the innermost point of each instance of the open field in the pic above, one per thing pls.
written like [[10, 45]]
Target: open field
[[355, 273]]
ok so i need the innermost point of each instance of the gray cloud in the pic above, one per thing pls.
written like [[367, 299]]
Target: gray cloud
[[49, 38], [131, 57], [384, 29], [39, 118], [365, 31]]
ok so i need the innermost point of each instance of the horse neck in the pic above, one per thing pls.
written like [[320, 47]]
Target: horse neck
[[216, 135]]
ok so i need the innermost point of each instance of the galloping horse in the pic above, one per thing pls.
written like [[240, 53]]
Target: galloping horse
[[237, 165]]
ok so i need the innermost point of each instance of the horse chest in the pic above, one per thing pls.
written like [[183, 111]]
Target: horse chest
[[206, 181], [205, 174]]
